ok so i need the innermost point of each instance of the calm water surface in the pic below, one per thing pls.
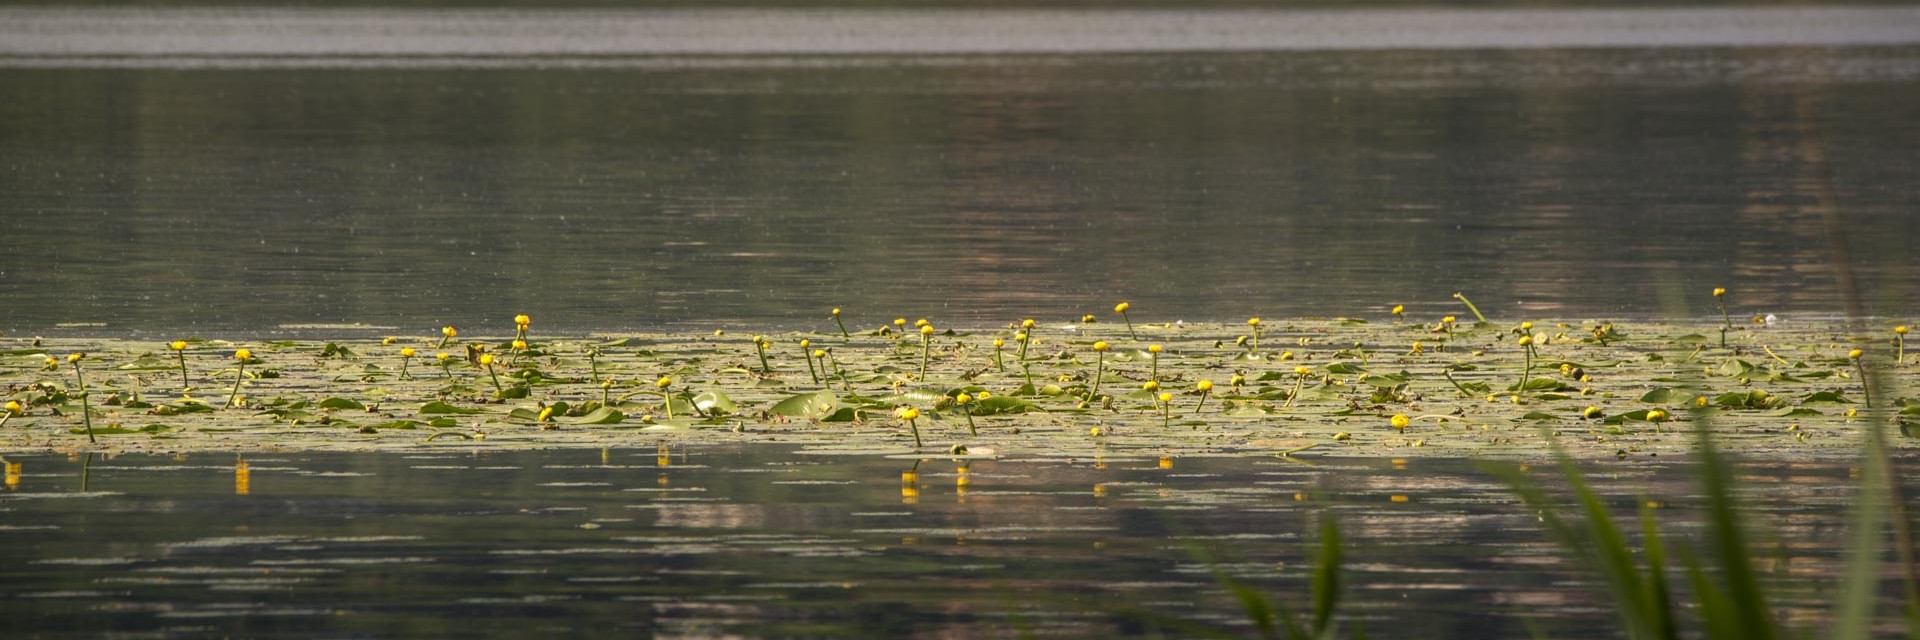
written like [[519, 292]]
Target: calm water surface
[[771, 540], [610, 193]]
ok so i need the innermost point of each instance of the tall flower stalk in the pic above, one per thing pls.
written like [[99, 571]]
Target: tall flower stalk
[[239, 374], [86, 405], [179, 348]]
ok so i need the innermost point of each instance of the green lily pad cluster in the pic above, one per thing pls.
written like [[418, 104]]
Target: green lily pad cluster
[[1329, 386]]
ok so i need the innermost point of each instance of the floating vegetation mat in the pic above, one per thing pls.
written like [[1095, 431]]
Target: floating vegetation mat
[[1299, 388]]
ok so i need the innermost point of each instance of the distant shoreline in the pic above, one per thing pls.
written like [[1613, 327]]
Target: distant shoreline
[[121, 36]]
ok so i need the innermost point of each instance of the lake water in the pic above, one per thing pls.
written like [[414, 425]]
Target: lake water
[[776, 541], [162, 177], [275, 172]]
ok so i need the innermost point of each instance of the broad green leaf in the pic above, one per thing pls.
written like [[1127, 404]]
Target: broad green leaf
[[812, 406], [442, 407]]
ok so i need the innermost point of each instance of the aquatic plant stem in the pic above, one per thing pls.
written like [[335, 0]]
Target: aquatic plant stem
[[593, 364], [811, 370], [916, 433], [1462, 297], [1726, 321], [495, 376], [1526, 372], [1202, 402], [835, 362], [1100, 371], [926, 349], [1299, 382], [182, 355], [844, 336], [86, 405], [239, 374], [968, 412], [760, 347], [1026, 368], [1129, 321], [1866, 390]]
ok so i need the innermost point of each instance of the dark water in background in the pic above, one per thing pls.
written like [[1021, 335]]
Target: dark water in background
[[763, 541], [629, 193]]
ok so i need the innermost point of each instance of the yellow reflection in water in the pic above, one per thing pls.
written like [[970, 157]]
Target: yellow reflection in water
[[242, 478], [13, 476], [1166, 462]]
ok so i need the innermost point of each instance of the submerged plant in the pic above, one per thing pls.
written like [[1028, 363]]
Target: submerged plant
[[241, 357], [1122, 310], [86, 407]]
